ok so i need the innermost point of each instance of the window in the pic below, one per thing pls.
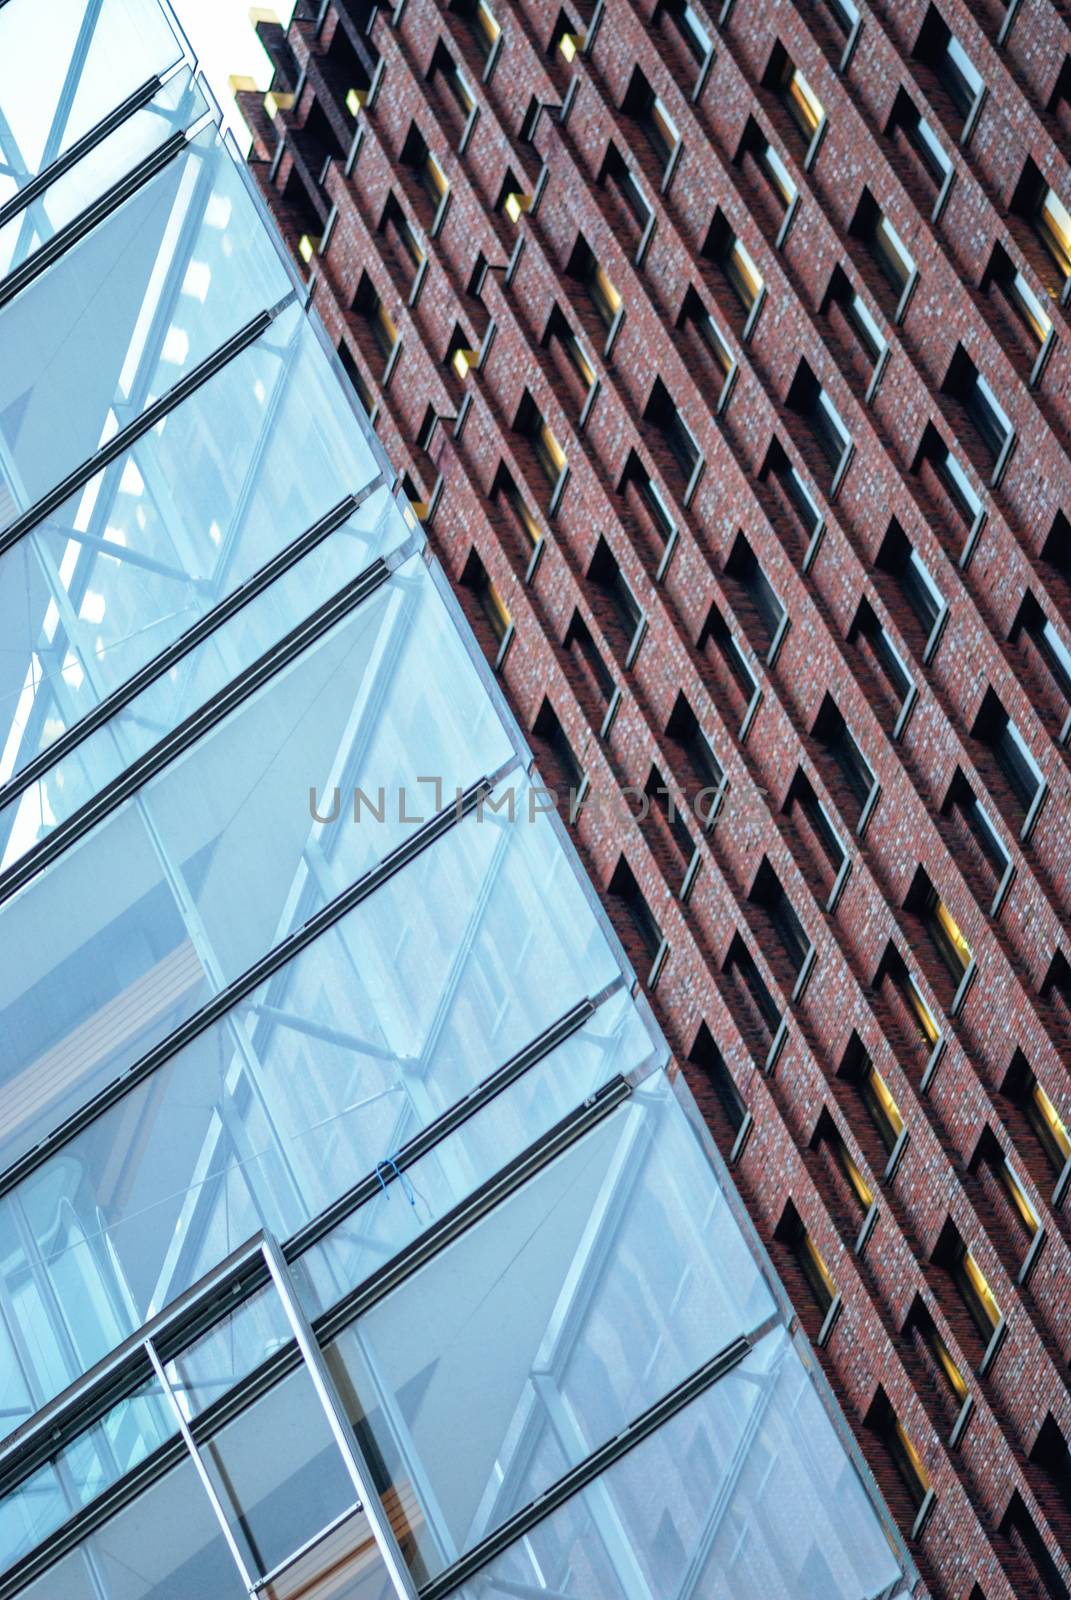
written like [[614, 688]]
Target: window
[[857, 314], [828, 1141], [951, 478], [655, 510], [818, 832], [477, 580], [1056, 551], [604, 297], [953, 1255], [705, 1055], [661, 413], [768, 894], [588, 663], [559, 337], [941, 51], [628, 613], [742, 275], [669, 830], [1047, 215], [566, 773], [548, 452], [882, 1420], [772, 168], [1033, 623], [832, 733], [695, 317], [756, 1008], [406, 248], [995, 729], [989, 1155], [356, 377], [529, 533], [1051, 1454], [459, 100], [720, 648], [1018, 1526], [914, 581], [759, 602], [461, 357], [483, 26], [512, 202], [924, 902], [975, 827], [787, 82], [1023, 1089], [626, 892], [368, 305], [1027, 307], [922, 1329], [650, 112], [791, 1232], [430, 175], [786, 476], [707, 771], [922, 139], [691, 30], [566, 38], [874, 1094], [809, 400], [844, 13], [616, 170], [912, 1007], [894, 262], [965, 383], [871, 636]]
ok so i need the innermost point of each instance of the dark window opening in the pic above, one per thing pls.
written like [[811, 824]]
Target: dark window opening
[[595, 681], [1046, 656], [1048, 218], [742, 275], [712, 344], [970, 1283], [813, 827], [1031, 325], [795, 94], [705, 1055], [1004, 1190], [939, 49], [625, 894], [661, 413], [626, 611], [493, 610], [914, 581], [985, 858], [910, 1010], [853, 778], [726, 661], [944, 931], [529, 423], [872, 638], [668, 832], [757, 1012], [994, 729], [775, 179], [768, 894], [1018, 1526], [965, 384], [844, 303], [586, 270], [563, 768], [886, 1426], [946, 478], [706, 771], [887, 251], [754, 596], [792, 496], [1022, 1089], [873, 1092], [809, 401], [616, 170], [792, 1233], [649, 110]]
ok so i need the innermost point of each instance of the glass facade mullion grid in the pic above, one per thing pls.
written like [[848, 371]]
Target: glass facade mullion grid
[[409, 1047]]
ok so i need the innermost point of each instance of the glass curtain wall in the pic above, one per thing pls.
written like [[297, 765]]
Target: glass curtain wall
[[358, 1237]]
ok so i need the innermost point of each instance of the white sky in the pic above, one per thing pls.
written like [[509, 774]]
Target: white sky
[[224, 42]]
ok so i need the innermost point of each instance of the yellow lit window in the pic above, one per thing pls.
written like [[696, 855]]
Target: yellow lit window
[[570, 45], [550, 452], [607, 300], [744, 275], [817, 1273], [882, 1106], [496, 610], [437, 181], [923, 1014], [806, 108], [1047, 1118], [1033, 312], [525, 517], [980, 1292], [487, 24], [909, 1456], [1055, 226], [463, 360], [956, 1380], [953, 946], [515, 205]]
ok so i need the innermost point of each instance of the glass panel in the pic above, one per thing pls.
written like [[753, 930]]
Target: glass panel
[[128, 311], [278, 1473], [82, 1470], [344, 1565], [326, 1070], [176, 524], [229, 1351], [582, 1299], [185, 687], [63, 67], [748, 1491], [165, 1545], [174, 107], [218, 858]]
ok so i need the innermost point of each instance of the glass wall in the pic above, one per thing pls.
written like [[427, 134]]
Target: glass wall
[[356, 1236]]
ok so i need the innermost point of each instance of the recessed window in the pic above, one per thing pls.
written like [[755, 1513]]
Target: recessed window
[[830, 1142], [483, 26], [857, 314], [662, 413], [965, 384], [1019, 1527], [548, 452], [756, 1008], [588, 664], [666, 822], [653, 510], [695, 317], [1047, 215], [1033, 624], [996, 730], [899, 558], [649, 110], [937, 1356], [616, 171], [584, 267], [786, 80], [1026, 306], [461, 356], [624, 891], [1022, 1087], [767, 892], [807, 398], [922, 138], [567, 40], [833, 734], [433, 180], [874, 1093], [911, 1004], [512, 202], [948, 938], [791, 1232], [951, 477], [605, 572], [369, 307], [691, 29], [976, 828], [401, 236], [705, 1055], [990, 1156], [817, 829], [560, 338], [707, 772], [478, 581], [883, 1421], [781, 471], [459, 98], [759, 601], [942, 52], [869, 633], [844, 13], [887, 250], [743, 276], [721, 650], [356, 378], [565, 770], [770, 164], [507, 493], [962, 1267]]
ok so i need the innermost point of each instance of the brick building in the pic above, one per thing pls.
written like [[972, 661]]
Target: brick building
[[726, 357]]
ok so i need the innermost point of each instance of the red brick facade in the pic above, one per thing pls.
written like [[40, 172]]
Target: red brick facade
[[939, 339]]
